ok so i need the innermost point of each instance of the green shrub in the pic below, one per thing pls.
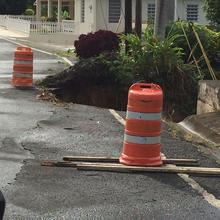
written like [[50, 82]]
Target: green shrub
[[160, 62], [148, 60], [209, 39], [66, 15], [29, 12]]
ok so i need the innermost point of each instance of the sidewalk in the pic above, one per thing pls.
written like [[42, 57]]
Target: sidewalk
[[23, 38], [204, 128]]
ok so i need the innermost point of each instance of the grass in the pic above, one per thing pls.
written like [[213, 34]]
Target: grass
[[67, 53]]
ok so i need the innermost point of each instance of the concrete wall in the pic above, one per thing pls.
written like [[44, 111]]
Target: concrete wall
[[88, 24], [209, 96], [97, 17], [180, 10], [102, 14], [56, 38]]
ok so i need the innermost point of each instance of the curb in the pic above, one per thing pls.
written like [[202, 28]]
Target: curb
[[203, 144], [187, 133]]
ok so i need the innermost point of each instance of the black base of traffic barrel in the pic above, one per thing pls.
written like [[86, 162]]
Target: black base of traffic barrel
[[2, 205]]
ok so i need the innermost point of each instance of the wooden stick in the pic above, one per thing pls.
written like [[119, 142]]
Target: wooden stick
[[163, 169], [116, 159], [91, 159], [51, 163]]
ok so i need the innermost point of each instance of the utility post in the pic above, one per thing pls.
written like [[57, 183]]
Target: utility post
[[128, 16], [138, 18], [128, 20]]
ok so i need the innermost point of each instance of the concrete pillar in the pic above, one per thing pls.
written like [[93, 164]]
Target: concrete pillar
[[208, 96], [71, 9], [175, 11], [38, 10], [94, 8], [171, 10], [59, 11], [49, 8]]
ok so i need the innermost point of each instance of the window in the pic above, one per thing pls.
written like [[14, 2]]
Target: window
[[82, 11], [192, 12], [151, 12], [114, 11]]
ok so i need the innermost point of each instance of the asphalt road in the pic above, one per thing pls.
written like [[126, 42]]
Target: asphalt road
[[33, 130]]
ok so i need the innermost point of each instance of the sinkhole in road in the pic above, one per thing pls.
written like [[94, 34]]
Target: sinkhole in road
[[100, 96]]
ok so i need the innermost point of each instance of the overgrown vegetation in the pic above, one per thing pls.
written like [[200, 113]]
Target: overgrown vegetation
[[160, 62], [210, 40], [169, 63], [212, 8]]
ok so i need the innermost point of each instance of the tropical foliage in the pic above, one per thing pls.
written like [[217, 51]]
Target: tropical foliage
[[212, 8], [188, 42], [160, 62], [148, 60]]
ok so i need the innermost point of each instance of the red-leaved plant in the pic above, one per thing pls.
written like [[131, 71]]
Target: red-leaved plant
[[93, 44]]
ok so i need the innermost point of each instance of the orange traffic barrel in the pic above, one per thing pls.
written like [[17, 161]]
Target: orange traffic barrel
[[23, 67], [143, 126]]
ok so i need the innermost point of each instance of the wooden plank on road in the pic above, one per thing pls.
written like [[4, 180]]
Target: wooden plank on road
[[52, 163], [163, 169], [187, 162], [91, 159]]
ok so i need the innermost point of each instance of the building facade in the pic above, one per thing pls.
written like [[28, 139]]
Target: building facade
[[92, 15]]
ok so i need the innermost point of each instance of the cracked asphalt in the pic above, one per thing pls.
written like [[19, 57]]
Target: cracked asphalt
[[32, 130]]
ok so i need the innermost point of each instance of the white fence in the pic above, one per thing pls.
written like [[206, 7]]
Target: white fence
[[27, 24], [23, 17], [3, 20], [52, 27], [18, 25], [15, 23]]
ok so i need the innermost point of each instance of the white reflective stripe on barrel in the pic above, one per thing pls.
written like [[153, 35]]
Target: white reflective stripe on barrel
[[23, 75], [23, 61], [142, 140], [143, 116]]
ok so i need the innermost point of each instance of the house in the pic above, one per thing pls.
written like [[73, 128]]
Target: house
[[91, 15]]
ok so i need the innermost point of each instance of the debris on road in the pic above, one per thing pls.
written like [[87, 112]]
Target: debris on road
[[187, 166], [47, 95]]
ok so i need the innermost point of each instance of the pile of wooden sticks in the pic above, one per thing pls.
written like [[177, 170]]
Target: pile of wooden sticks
[[187, 166]]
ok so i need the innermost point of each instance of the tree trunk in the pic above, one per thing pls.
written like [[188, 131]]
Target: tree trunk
[[164, 14]]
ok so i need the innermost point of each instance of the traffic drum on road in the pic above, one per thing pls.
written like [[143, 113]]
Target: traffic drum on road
[[143, 126], [23, 67]]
